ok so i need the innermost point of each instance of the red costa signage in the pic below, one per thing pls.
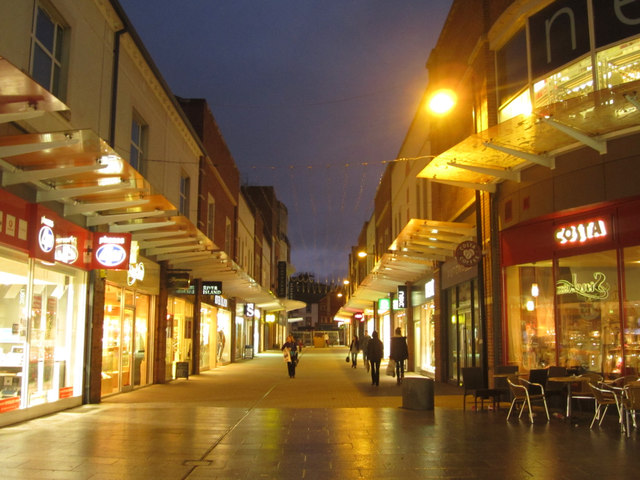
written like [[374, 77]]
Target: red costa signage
[[111, 251], [582, 232]]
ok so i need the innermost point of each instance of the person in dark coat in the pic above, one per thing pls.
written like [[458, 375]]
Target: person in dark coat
[[290, 349], [354, 348], [399, 352], [375, 351]]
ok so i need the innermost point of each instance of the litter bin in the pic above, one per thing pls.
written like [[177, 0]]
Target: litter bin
[[248, 351], [417, 393]]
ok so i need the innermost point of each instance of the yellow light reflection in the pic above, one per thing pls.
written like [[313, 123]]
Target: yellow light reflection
[[442, 101]]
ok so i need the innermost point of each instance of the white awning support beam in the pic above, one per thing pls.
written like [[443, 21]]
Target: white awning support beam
[[123, 217], [485, 187], [598, 145], [21, 149], [86, 208], [513, 175], [134, 227], [544, 160], [31, 176]]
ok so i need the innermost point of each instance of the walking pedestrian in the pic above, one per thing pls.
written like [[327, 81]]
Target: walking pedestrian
[[290, 349], [354, 348], [326, 339], [374, 354], [399, 352], [363, 346]]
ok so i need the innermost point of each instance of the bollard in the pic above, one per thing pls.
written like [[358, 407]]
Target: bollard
[[417, 393]]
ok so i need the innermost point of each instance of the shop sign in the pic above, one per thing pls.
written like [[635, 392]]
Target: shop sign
[[598, 289], [220, 301], [468, 253], [384, 305], [402, 296], [135, 273], [111, 251], [581, 233], [270, 318], [249, 309], [67, 249], [430, 289], [212, 288], [282, 279]]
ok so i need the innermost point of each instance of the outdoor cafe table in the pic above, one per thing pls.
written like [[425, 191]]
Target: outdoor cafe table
[[568, 380]]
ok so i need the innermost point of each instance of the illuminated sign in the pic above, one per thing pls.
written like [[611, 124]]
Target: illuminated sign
[[270, 318], [111, 251], [220, 301], [212, 288], [135, 272], [66, 250], [249, 309], [46, 238], [430, 289], [598, 289], [402, 296], [468, 254], [384, 305], [580, 233]]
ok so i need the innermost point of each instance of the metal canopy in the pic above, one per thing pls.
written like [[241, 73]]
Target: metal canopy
[[409, 258], [82, 172], [502, 151]]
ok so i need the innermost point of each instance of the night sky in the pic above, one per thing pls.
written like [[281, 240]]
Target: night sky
[[313, 97]]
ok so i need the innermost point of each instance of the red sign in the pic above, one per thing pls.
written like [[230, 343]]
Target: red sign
[[111, 251], [468, 254], [8, 404], [582, 233], [14, 221], [66, 392]]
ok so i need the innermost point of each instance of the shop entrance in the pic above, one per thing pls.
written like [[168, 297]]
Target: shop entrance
[[464, 330]]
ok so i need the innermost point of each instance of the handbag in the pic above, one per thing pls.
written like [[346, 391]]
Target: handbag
[[391, 368], [347, 359]]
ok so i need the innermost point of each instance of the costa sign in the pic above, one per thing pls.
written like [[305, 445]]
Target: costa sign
[[582, 232], [111, 251]]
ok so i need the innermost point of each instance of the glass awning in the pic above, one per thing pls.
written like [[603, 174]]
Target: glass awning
[[410, 257], [502, 151], [80, 171]]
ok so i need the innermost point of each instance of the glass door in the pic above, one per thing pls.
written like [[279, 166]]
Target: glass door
[[127, 348]]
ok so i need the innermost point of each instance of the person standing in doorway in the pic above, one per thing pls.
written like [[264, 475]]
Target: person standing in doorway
[[326, 339], [354, 348], [375, 350], [363, 345], [399, 352]]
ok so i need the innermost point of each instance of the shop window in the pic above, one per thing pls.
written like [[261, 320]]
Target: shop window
[[511, 64], [588, 312], [632, 311], [575, 80], [48, 51], [620, 64], [520, 105], [139, 132], [185, 193], [530, 315]]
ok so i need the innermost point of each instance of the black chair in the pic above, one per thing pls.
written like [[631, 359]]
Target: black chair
[[474, 385], [556, 391], [500, 380]]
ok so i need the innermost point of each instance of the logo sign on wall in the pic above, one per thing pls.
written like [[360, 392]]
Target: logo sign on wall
[[212, 288], [581, 233], [111, 251], [468, 254], [249, 309], [402, 296]]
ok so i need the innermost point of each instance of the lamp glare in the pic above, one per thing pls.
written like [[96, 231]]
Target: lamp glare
[[442, 101]]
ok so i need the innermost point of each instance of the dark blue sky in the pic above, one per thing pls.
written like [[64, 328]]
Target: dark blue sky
[[311, 96]]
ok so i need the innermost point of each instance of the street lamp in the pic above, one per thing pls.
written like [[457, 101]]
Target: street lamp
[[442, 101]]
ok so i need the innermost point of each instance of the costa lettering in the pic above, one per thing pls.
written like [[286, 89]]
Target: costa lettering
[[580, 233]]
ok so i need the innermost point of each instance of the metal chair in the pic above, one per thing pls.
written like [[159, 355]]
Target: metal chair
[[473, 384], [500, 382], [604, 398], [582, 390], [521, 396], [631, 404]]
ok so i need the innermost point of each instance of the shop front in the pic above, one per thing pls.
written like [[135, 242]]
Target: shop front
[[571, 285], [129, 312], [461, 318], [43, 272], [424, 326]]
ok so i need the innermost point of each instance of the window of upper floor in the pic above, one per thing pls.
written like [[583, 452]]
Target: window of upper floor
[[49, 50], [185, 193], [211, 215], [568, 49], [139, 133]]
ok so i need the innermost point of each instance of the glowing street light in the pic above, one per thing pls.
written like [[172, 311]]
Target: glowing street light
[[442, 101]]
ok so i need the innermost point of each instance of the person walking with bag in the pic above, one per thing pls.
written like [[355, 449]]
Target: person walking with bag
[[399, 353], [363, 345], [375, 351], [290, 349], [354, 348]]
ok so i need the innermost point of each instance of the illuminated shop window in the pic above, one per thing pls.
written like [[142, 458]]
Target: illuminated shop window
[[573, 81], [519, 105], [620, 64]]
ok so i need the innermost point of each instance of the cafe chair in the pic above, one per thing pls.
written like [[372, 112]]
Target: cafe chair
[[523, 398], [580, 389], [500, 382], [556, 391], [631, 404], [604, 398], [473, 384]]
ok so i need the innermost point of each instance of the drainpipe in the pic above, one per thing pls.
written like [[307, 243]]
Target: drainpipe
[[114, 85]]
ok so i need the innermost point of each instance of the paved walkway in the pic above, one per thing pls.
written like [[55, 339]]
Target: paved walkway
[[251, 421]]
